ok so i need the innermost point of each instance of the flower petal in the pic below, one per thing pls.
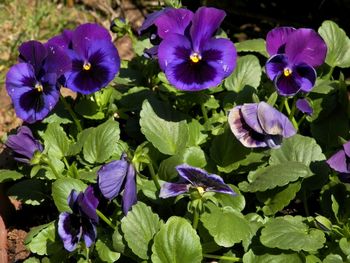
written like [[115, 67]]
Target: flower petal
[[287, 86], [34, 53], [249, 112], [346, 148], [151, 18], [172, 189], [216, 184], [338, 162], [89, 203], [304, 45], [276, 39], [130, 192], [304, 106], [69, 230], [89, 232], [275, 65], [306, 76], [63, 40], [57, 60]]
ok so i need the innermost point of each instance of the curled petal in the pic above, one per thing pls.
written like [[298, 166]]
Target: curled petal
[[130, 191], [34, 53], [304, 106], [173, 189], [69, 230], [338, 162], [249, 112], [275, 66], [276, 40]]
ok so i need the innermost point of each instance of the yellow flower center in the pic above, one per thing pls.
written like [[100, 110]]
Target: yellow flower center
[[200, 190], [287, 72], [87, 66], [195, 57], [39, 87]]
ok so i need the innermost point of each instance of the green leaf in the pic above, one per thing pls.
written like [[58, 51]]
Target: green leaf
[[61, 189], [252, 45], [333, 258], [105, 253], [196, 137], [139, 227], [291, 233], [9, 175], [167, 135], [344, 245], [247, 73], [29, 191], [39, 238], [338, 44], [236, 202], [250, 257], [56, 141], [272, 176], [194, 156], [176, 242], [226, 225], [101, 142]]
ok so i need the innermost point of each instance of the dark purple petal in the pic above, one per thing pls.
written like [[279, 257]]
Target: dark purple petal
[[69, 229], [89, 232], [34, 53], [111, 177], [243, 132], [57, 60], [173, 21], [338, 162], [72, 200], [344, 177], [276, 39], [215, 183], [130, 192], [151, 52], [275, 65], [63, 40], [249, 113], [89, 204], [274, 122], [287, 86], [306, 46], [206, 21], [273, 141], [304, 106], [305, 76], [173, 189], [346, 148], [151, 18]]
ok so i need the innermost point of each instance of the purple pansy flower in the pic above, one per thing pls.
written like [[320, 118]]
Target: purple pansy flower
[[294, 55], [95, 59], [81, 223], [196, 60], [340, 162], [115, 176], [195, 178], [32, 84], [24, 144], [304, 106], [259, 125]]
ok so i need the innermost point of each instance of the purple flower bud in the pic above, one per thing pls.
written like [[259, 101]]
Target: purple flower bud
[[340, 162], [304, 106]]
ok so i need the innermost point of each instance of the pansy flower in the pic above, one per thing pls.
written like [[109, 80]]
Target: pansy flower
[[95, 59], [32, 84], [115, 176], [81, 223], [196, 60], [259, 125], [340, 162], [294, 55], [24, 144], [197, 179]]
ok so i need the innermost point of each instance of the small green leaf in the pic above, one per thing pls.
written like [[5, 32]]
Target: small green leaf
[[252, 45], [333, 258], [139, 227], [247, 73], [9, 175], [250, 257], [39, 238], [291, 233], [194, 156], [344, 245], [196, 137], [56, 141], [176, 242], [105, 253]]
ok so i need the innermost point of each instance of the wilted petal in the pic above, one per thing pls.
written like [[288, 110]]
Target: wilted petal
[[130, 192], [275, 66], [304, 106], [304, 45], [276, 40], [173, 189], [273, 141], [34, 53], [69, 230], [338, 162]]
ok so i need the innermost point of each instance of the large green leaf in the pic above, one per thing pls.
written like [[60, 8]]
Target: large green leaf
[[167, 135], [176, 242], [101, 142], [272, 176], [250, 257], [105, 253], [38, 238], [139, 227], [247, 73], [338, 44], [56, 141], [61, 189], [9, 175], [291, 233], [226, 225], [252, 45]]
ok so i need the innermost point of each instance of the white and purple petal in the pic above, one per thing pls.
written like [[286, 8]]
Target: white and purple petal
[[276, 40], [89, 232], [173, 189], [249, 113], [70, 230], [130, 191]]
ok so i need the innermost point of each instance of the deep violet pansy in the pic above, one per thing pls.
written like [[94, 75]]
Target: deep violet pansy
[[95, 59], [115, 176], [259, 125], [81, 223], [340, 162], [32, 83], [194, 178], [294, 55], [196, 60]]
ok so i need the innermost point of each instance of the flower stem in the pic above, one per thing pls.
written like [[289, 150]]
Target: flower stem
[[204, 112], [105, 219], [195, 218], [154, 176], [329, 74], [87, 251], [72, 113], [233, 259], [290, 113], [66, 163]]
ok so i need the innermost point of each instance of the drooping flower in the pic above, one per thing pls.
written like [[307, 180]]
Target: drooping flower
[[32, 84], [259, 125], [340, 162], [95, 59], [194, 178], [196, 60], [24, 144], [294, 55], [81, 223], [115, 176], [304, 106]]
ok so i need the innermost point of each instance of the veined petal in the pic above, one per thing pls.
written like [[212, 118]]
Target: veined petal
[[249, 112], [173, 189], [130, 191], [69, 230], [276, 40], [338, 162], [206, 21], [275, 65], [215, 183], [304, 45], [304, 106], [34, 53], [287, 86], [63, 40], [305, 76]]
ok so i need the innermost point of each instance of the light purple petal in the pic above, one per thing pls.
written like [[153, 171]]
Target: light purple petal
[[69, 230], [111, 177], [276, 39], [306, 46], [338, 162], [206, 21], [249, 112], [275, 65], [89, 232], [130, 191], [346, 148], [304, 106], [34, 53], [173, 189]]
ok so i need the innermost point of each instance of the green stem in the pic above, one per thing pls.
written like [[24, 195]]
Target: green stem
[[154, 176], [329, 74], [204, 112], [233, 259], [66, 163], [72, 113], [280, 108], [105, 219], [47, 161], [87, 254], [195, 218], [289, 111], [301, 120]]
